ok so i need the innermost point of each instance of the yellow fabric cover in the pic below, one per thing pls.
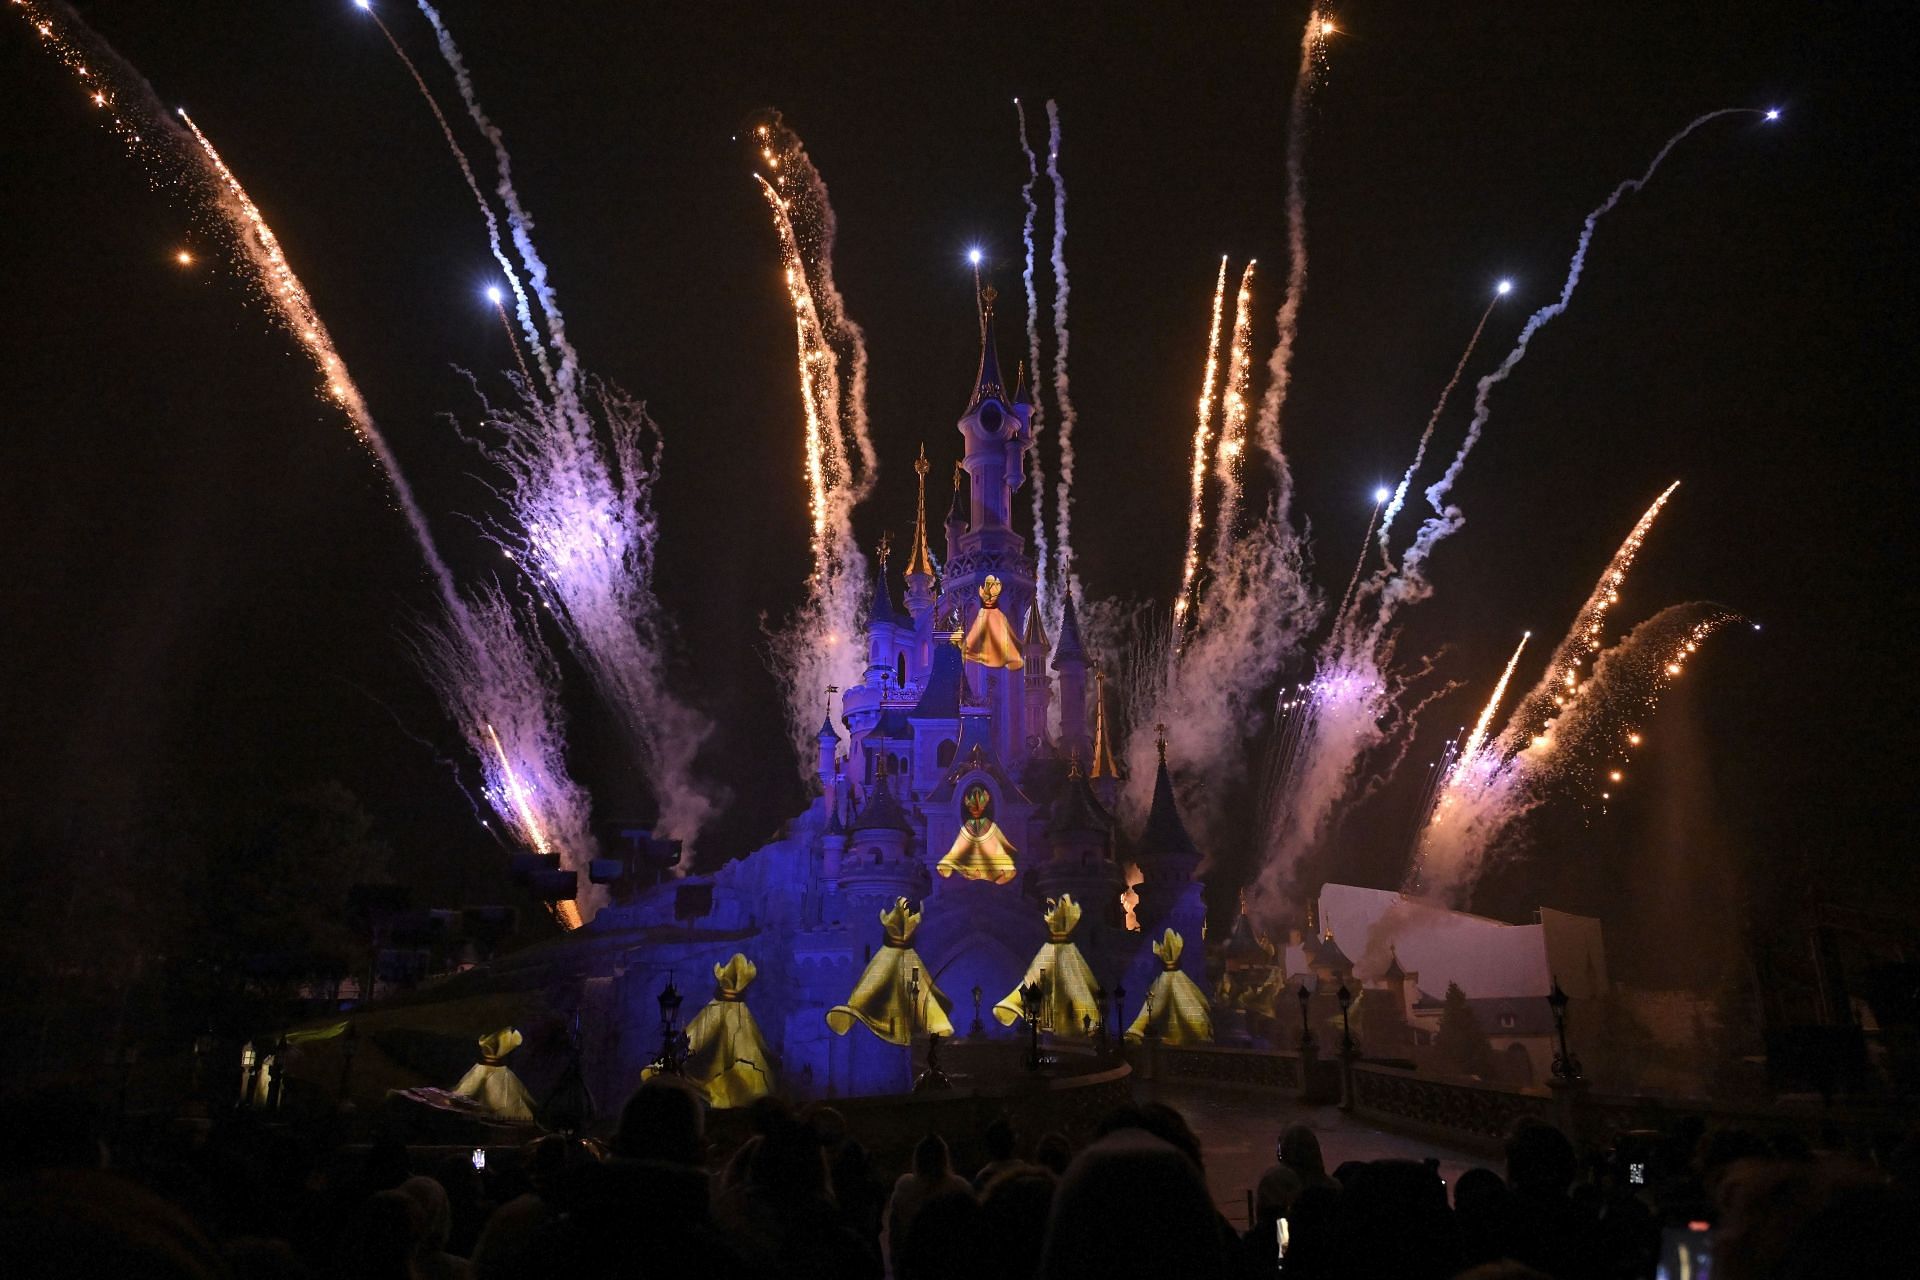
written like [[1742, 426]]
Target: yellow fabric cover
[[1175, 1009], [492, 1084], [987, 856], [1066, 980], [990, 641], [883, 998], [726, 1054]]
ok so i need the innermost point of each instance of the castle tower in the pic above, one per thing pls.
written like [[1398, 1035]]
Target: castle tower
[[1039, 687], [997, 429], [920, 577], [1168, 858], [1105, 773], [1070, 660], [883, 621], [1080, 833], [828, 766], [878, 865]]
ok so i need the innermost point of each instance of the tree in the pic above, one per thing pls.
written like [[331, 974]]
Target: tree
[[1462, 1048]]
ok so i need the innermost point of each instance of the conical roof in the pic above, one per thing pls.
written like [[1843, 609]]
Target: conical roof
[[1069, 649], [1166, 832], [882, 812], [827, 732], [1036, 632], [988, 386], [920, 560], [1022, 394], [1077, 810], [1330, 955], [940, 700], [881, 609], [1394, 972]]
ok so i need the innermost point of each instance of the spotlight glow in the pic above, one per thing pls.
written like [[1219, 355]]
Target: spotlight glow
[[1773, 113]]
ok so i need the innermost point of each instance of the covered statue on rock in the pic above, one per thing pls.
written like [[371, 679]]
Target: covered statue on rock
[[1176, 1010], [726, 1054], [492, 1084], [981, 850], [895, 996], [1068, 1003]]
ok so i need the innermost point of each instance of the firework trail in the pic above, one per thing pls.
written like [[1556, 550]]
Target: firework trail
[[1447, 518], [1313, 42], [1233, 422], [1470, 749], [580, 467], [523, 310], [1560, 683], [1433, 420], [1340, 618], [820, 646], [1584, 747], [1042, 575], [1202, 439], [1063, 534], [505, 680]]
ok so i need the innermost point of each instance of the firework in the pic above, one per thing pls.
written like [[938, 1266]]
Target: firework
[[1399, 497], [1063, 515], [1470, 749], [1202, 439], [1447, 518], [1233, 421], [1280, 364], [1042, 576], [820, 646]]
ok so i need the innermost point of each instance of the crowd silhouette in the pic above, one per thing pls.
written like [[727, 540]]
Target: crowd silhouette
[[801, 1198]]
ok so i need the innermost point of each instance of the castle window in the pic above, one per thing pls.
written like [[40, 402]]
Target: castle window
[[1506, 1021], [875, 855], [944, 755], [900, 671]]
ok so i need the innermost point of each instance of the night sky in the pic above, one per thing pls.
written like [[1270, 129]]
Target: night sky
[[208, 587]]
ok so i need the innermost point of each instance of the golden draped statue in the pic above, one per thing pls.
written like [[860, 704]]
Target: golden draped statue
[[1176, 1009], [1068, 1005], [895, 996], [726, 1054], [981, 851], [492, 1084], [990, 641]]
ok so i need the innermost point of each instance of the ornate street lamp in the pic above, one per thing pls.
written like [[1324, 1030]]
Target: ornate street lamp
[[1031, 996], [1306, 1032], [672, 1044], [1566, 1067], [978, 1028], [1345, 997]]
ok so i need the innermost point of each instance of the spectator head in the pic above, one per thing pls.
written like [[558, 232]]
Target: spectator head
[[1124, 1180], [388, 1164], [1276, 1191], [1013, 1219], [788, 1165], [1158, 1119], [944, 1240], [436, 1214], [1054, 1152], [1540, 1160], [931, 1160], [828, 1125], [1479, 1191], [1300, 1151], [663, 1120], [88, 1222], [1000, 1139]]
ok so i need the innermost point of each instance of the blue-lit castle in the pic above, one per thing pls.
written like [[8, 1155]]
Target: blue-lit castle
[[970, 773]]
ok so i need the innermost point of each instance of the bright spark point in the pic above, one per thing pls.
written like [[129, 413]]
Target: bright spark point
[[363, 4], [184, 258], [1615, 776], [973, 257], [493, 295], [1504, 288], [1773, 113], [1326, 27], [1382, 494]]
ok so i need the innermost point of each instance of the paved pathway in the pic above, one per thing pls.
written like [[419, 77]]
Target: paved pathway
[[1238, 1129]]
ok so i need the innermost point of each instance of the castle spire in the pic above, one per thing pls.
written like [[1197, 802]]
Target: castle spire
[[920, 561], [882, 610], [988, 384], [1103, 765]]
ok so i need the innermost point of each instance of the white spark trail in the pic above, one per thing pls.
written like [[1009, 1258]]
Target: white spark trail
[[1062, 393], [1433, 420], [1042, 574]]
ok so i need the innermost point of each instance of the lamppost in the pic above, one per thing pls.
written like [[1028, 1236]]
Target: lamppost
[[1030, 1006], [1566, 1067], [1119, 1017], [978, 1028], [672, 1044], [1306, 1032], [1345, 997], [249, 1059]]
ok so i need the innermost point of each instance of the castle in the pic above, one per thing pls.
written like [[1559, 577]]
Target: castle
[[944, 783]]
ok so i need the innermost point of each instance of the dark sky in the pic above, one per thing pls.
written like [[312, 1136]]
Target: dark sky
[[207, 585]]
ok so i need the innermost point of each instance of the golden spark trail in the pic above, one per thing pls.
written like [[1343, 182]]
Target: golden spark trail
[[1561, 683], [535, 836], [1470, 749], [1202, 439], [818, 368], [1233, 422], [522, 308]]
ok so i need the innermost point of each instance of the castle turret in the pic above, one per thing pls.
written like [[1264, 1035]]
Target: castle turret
[[956, 515], [1070, 660], [878, 865], [833, 847], [1039, 687], [828, 767], [1080, 833], [883, 622], [1168, 858]]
